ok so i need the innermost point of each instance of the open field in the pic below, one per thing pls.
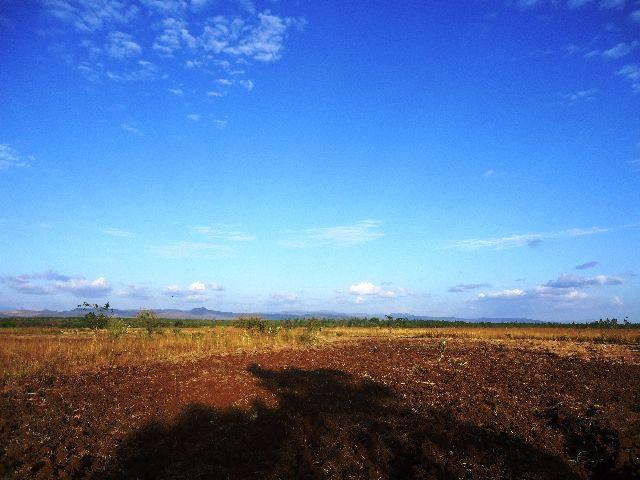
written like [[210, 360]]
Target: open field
[[310, 402]]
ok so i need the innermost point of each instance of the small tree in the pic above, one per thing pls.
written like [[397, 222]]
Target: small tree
[[97, 316], [149, 320]]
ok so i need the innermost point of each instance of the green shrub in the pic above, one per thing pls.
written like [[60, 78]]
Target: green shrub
[[149, 320], [98, 315], [116, 327], [253, 324]]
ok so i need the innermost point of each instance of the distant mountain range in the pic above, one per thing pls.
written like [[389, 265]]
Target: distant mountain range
[[203, 313]]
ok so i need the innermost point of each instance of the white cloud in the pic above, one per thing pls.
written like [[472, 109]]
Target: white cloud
[[247, 84], [465, 287], [341, 236], [620, 50], [133, 291], [219, 124], [283, 298], [567, 291], [116, 232], [90, 15], [602, 4], [165, 6], [514, 293], [488, 173], [121, 46], [81, 287], [141, 70], [51, 282], [577, 3], [174, 37], [261, 41], [635, 15], [574, 281], [176, 91], [631, 72], [196, 292], [131, 129], [579, 96], [224, 232], [587, 265], [197, 287], [367, 290], [537, 294], [200, 4], [522, 240], [216, 45], [194, 117], [612, 4], [10, 158], [182, 250]]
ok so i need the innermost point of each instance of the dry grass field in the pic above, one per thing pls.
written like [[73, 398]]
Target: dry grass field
[[229, 402]]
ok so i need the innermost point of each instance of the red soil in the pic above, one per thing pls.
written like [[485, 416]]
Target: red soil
[[375, 409]]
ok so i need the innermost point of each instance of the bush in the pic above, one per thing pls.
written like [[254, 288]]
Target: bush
[[98, 316], [149, 320], [253, 324], [116, 327]]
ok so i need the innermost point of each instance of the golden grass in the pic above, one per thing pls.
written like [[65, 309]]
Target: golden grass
[[570, 334], [27, 351], [32, 351]]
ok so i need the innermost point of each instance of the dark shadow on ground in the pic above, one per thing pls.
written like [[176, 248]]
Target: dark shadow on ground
[[327, 424]]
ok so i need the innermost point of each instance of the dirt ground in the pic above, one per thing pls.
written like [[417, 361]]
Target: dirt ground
[[373, 408]]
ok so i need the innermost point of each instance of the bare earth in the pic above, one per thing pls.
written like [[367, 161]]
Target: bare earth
[[368, 408]]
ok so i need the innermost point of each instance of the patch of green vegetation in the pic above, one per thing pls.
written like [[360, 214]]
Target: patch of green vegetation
[[98, 318]]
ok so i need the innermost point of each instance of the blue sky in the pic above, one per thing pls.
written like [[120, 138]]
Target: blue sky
[[477, 158]]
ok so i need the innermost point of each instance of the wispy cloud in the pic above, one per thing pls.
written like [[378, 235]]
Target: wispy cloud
[[121, 45], [282, 299], [9, 158], [183, 33], [91, 15], [523, 240], [196, 292], [184, 250], [565, 291], [367, 290], [587, 265], [116, 232], [465, 287], [502, 294], [127, 127], [194, 117], [620, 50], [51, 282], [602, 4], [575, 281], [223, 232], [579, 96], [260, 40], [134, 291], [631, 72], [340, 236], [175, 36]]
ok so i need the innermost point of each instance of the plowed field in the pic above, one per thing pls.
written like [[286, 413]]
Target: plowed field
[[371, 408]]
